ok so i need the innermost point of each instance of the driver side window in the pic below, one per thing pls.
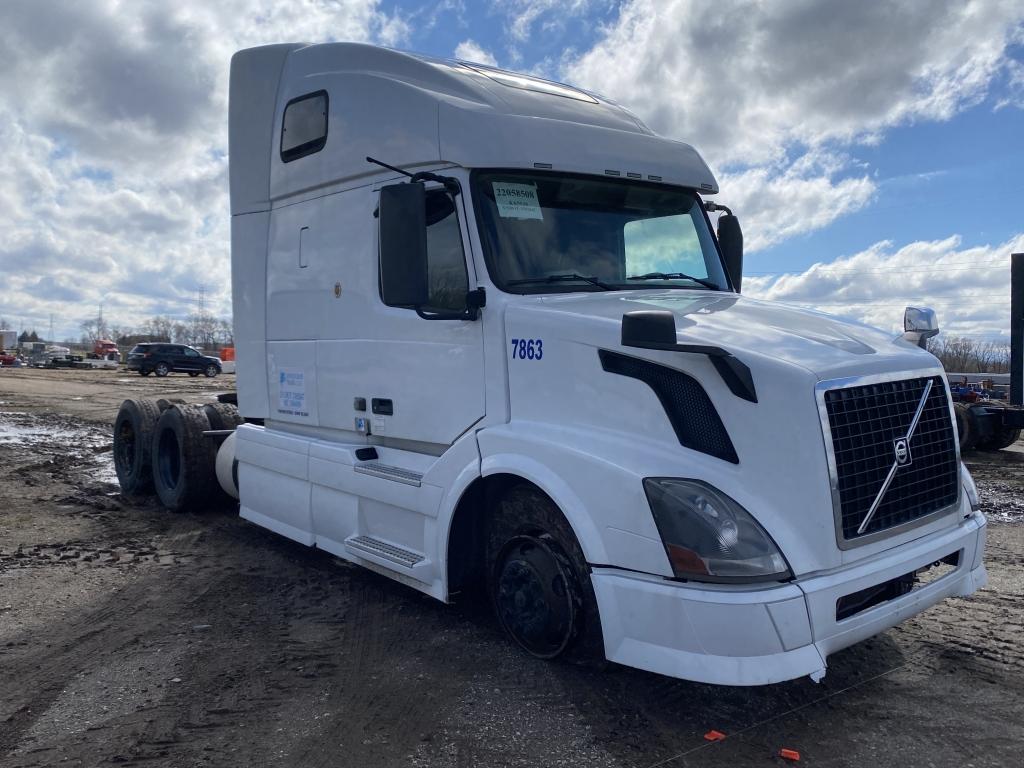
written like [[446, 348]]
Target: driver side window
[[446, 259]]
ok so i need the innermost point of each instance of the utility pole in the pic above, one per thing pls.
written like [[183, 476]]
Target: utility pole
[[51, 328], [1017, 329]]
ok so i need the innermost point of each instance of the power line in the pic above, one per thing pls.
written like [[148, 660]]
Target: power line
[[885, 271]]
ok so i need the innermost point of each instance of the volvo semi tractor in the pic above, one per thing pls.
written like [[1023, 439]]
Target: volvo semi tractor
[[490, 340]]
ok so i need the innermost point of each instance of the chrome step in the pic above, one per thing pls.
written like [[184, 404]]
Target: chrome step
[[388, 472], [371, 546]]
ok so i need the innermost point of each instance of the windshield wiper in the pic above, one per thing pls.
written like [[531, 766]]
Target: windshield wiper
[[675, 276], [561, 279]]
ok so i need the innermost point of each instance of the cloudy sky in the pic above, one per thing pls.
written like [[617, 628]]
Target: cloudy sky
[[874, 151]]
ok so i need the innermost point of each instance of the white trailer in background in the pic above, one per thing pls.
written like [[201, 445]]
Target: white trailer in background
[[8, 340], [487, 337]]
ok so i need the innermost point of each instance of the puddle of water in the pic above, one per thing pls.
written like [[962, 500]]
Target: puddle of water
[[78, 443]]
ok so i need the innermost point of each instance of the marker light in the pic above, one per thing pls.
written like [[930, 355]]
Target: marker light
[[969, 488], [708, 536]]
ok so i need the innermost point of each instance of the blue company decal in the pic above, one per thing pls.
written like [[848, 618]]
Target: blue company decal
[[527, 349]]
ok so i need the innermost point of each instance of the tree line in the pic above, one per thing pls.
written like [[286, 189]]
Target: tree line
[[200, 330], [962, 354]]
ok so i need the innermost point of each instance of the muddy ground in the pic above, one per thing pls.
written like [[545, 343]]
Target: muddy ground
[[129, 635]]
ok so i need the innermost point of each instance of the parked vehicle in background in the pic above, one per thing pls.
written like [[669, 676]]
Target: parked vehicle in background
[[105, 349], [9, 359], [8, 340], [162, 359]]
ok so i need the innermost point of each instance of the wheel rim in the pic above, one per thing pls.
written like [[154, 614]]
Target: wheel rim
[[533, 595], [161, 370], [169, 463], [211, 371]]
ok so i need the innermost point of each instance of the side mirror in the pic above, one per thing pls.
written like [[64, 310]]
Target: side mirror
[[919, 325], [730, 239], [403, 245]]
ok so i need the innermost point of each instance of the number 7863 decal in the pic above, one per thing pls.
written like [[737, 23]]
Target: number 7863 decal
[[527, 349]]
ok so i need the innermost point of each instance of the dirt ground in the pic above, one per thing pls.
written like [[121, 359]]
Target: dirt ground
[[130, 635]]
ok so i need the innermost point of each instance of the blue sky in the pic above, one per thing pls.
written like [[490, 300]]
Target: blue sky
[[872, 150]]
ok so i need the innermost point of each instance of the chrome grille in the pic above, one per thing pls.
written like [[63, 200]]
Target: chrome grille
[[865, 423]]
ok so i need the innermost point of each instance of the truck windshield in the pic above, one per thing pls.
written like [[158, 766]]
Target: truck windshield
[[548, 233]]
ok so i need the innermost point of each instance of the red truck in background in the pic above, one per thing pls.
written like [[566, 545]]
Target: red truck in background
[[105, 349]]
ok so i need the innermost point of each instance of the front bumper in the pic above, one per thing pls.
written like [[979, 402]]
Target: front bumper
[[743, 635]]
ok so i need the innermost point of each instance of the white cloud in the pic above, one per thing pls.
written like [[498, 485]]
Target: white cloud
[[778, 202], [744, 80], [469, 50], [753, 85], [113, 118], [967, 287]]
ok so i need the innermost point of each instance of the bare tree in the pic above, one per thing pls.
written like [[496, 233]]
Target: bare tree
[[961, 354]]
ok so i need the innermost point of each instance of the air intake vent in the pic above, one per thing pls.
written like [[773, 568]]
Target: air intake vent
[[688, 407]]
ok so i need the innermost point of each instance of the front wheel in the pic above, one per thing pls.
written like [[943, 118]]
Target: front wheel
[[539, 580], [211, 371], [162, 369]]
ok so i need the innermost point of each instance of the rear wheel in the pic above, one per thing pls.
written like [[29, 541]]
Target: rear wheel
[[539, 580], [161, 369], [1004, 438], [133, 444], [184, 458], [964, 427], [223, 416]]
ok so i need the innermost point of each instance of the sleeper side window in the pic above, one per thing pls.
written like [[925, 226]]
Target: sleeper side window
[[304, 126], [446, 260]]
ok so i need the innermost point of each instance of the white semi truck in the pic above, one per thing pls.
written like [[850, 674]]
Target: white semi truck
[[488, 340]]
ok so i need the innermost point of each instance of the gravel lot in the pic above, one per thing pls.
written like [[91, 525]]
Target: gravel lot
[[132, 635]]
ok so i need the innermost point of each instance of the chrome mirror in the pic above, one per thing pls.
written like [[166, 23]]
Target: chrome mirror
[[919, 325]]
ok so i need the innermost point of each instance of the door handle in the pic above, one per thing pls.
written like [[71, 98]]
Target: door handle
[[382, 406]]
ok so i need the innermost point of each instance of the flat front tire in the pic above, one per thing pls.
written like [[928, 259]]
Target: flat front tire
[[539, 581], [184, 459]]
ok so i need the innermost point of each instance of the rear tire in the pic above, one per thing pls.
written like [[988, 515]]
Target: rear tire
[[133, 445], [161, 369], [964, 428], [223, 416], [184, 460], [539, 580], [1004, 438]]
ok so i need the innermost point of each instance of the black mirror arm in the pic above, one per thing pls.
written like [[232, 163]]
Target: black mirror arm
[[475, 301]]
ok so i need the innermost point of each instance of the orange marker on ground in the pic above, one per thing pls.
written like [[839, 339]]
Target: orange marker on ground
[[789, 754], [714, 735]]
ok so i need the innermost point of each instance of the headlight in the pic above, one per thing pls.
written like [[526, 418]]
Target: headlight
[[708, 536], [969, 488]]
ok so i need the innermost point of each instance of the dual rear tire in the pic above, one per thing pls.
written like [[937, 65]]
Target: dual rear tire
[[160, 447]]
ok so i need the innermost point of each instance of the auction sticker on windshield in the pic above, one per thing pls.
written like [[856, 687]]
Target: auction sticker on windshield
[[517, 201]]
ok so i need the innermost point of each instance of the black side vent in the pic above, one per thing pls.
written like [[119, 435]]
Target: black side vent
[[688, 407]]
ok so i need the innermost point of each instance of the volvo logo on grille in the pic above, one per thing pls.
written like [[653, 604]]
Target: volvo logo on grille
[[902, 448]]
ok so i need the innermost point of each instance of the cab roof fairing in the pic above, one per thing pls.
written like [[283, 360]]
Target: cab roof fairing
[[411, 110]]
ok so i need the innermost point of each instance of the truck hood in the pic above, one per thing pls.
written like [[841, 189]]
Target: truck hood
[[826, 346]]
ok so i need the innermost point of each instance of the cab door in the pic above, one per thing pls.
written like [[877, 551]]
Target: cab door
[[422, 379]]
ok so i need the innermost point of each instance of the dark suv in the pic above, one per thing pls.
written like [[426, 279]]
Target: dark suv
[[161, 359]]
